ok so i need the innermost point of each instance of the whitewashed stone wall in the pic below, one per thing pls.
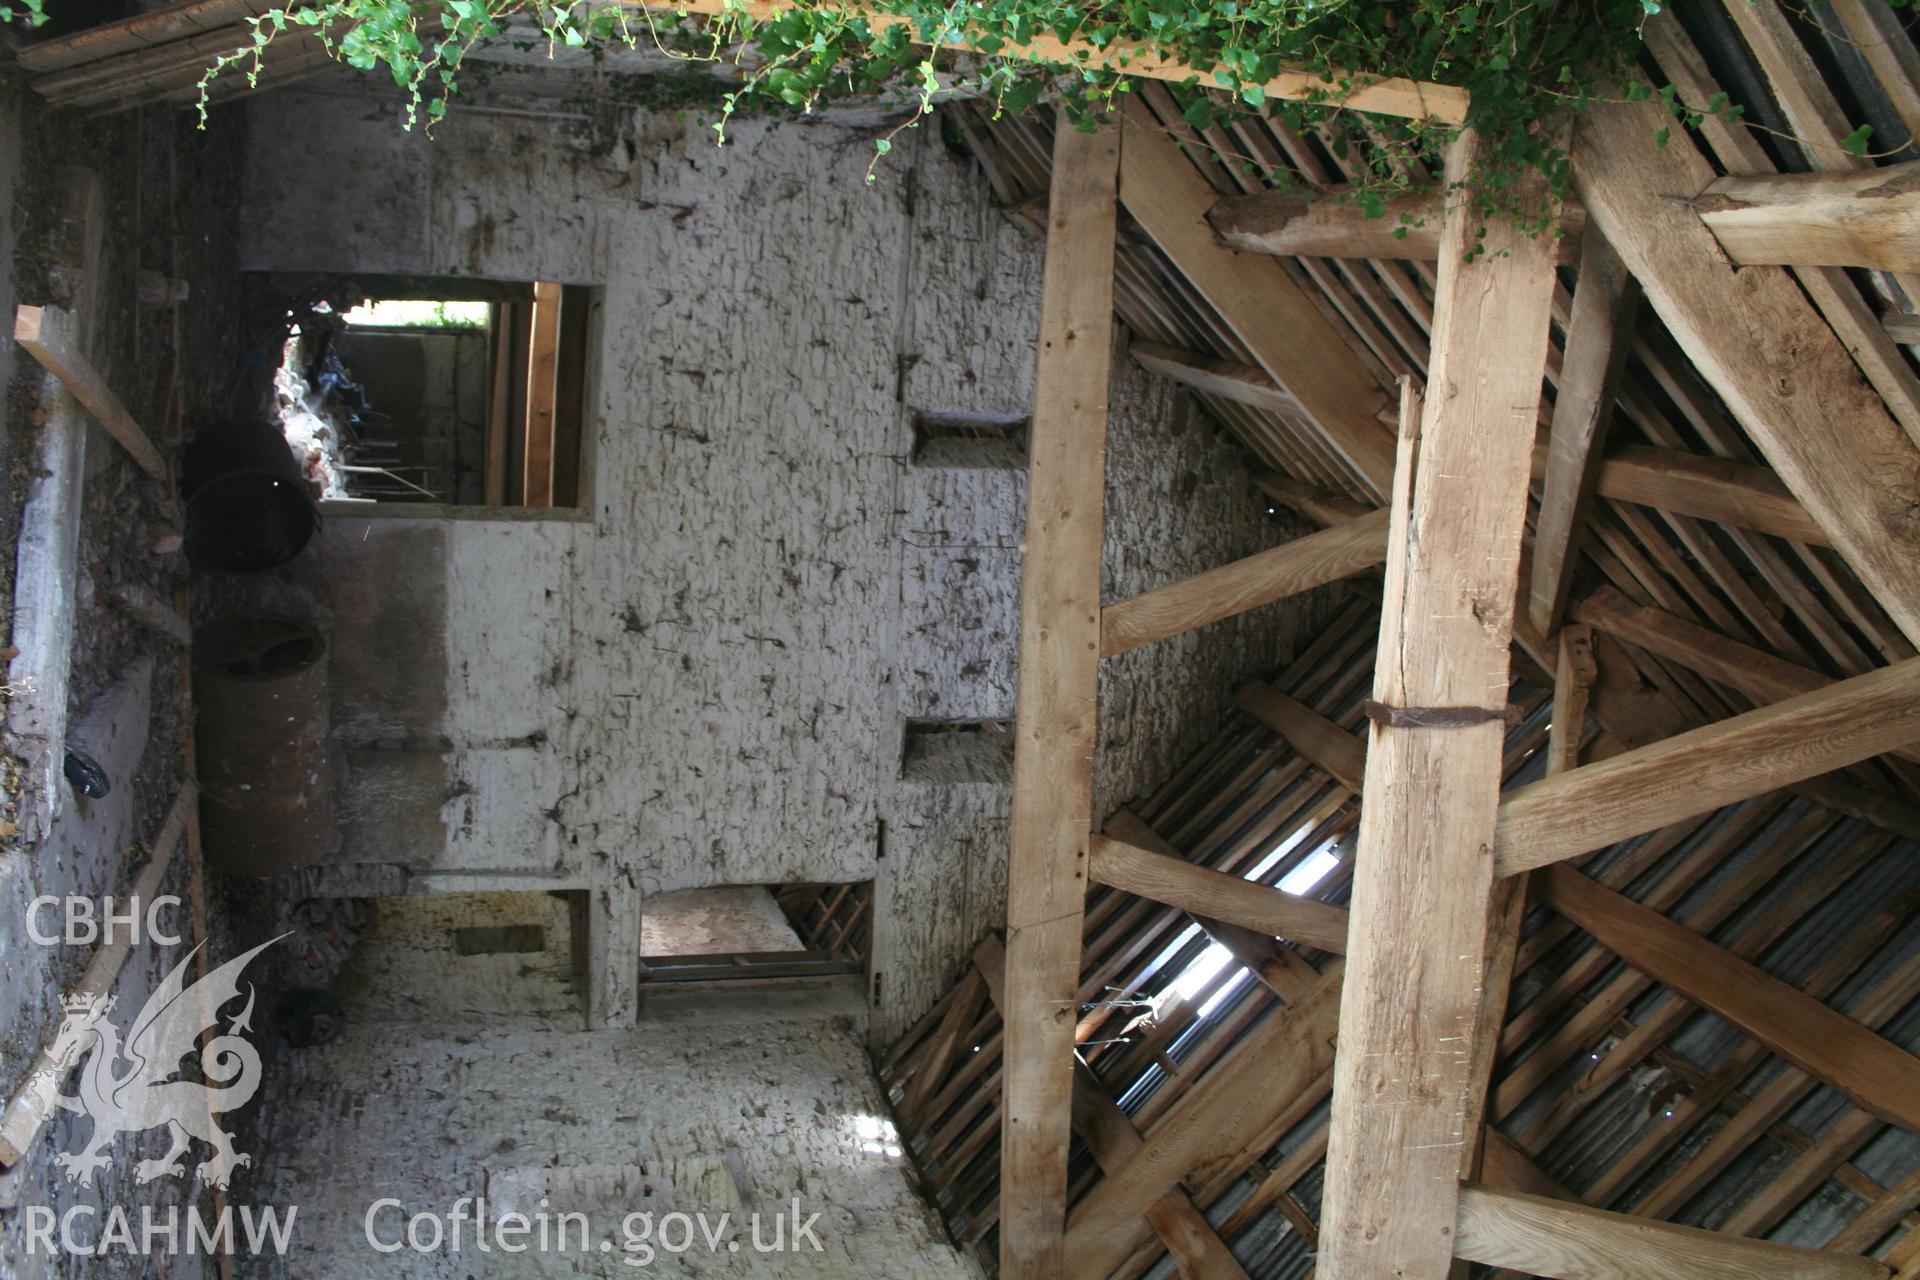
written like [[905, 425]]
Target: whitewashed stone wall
[[469, 1076], [704, 680]]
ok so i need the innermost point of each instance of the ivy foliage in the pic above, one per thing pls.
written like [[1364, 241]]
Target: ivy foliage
[[1524, 62]]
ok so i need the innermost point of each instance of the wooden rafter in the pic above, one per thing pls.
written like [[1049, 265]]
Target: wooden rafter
[[1758, 342], [1215, 895], [1058, 697], [1831, 1046], [1261, 578], [1598, 339], [1424, 876], [1544, 1237], [1273, 317]]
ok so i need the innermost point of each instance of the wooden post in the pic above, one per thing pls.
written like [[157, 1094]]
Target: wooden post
[[1424, 865], [543, 371], [1058, 699]]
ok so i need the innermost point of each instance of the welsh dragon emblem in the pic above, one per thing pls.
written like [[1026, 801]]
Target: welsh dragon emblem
[[126, 1088]]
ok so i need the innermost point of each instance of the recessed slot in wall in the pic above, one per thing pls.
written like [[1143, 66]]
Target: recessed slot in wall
[[755, 933], [505, 939], [958, 752], [951, 438]]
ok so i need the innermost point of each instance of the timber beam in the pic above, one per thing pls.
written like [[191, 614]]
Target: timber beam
[[1262, 578], [1827, 218], [1760, 675], [1759, 343], [1423, 878], [1056, 709], [1708, 768], [1826, 1044], [1288, 337], [1202, 891], [1538, 1236]]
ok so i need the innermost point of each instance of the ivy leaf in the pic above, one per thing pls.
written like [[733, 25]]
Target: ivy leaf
[[1856, 142], [1254, 95], [1661, 136]]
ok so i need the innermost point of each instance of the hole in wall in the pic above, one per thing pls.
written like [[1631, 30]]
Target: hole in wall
[[953, 438]]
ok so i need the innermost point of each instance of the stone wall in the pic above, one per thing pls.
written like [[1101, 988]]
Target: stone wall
[[703, 678], [468, 1076]]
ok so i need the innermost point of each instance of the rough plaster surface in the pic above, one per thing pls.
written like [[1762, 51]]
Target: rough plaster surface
[[704, 680], [469, 1075], [90, 845]]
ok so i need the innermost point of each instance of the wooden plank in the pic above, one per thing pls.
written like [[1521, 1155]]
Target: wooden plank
[[144, 30], [1239, 383], [1272, 316], [1332, 224], [1756, 340], [1735, 493], [1355, 90], [543, 371], [1831, 218], [1307, 731], [149, 610], [1201, 891], [1544, 1237], [1262, 578], [1875, 1073], [1057, 701], [47, 333], [1758, 674], [1424, 870], [1599, 335], [1708, 768]]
